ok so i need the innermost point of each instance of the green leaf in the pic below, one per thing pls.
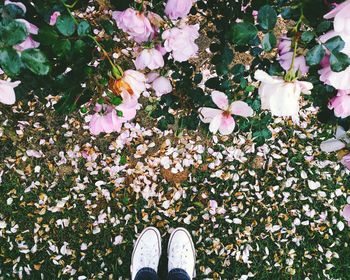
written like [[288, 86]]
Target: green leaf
[[35, 61], [339, 61], [323, 26], [269, 41], [267, 17], [10, 61], [47, 35], [83, 28], [62, 47], [66, 25], [335, 44], [13, 11], [307, 36], [13, 33], [243, 33], [315, 55]]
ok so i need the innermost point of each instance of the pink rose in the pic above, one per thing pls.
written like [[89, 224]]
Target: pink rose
[[7, 93], [136, 81], [341, 104], [341, 15], [29, 42], [18, 4], [161, 86], [149, 58], [346, 213], [181, 41], [286, 56], [135, 23], [221, 119], [105, 120], [54, 17], [175, 9]]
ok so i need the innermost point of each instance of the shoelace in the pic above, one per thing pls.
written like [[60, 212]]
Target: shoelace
[[179, 256], [148, 255]]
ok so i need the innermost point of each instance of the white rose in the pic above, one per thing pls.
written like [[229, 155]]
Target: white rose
[[279, 96]]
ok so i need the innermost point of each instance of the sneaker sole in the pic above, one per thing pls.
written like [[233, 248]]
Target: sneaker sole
[[137, 243], [192, 245]]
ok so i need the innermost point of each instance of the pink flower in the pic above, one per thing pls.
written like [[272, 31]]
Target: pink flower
[[346, 213], [29, 42], [286, 56], [341, 15], [279, 96], [181, 41], [175, 9], [221, 119], [105, 120], [161, 86], [18, 4], [135, 23], [136, 81], [151, 58], [129, 106], [341, 104], [54, 17], [338, 80], [346, 161], [7, 93]]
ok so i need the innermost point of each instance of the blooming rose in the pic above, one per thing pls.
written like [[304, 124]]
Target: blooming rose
[[286, 56], [181, 41], [28, 43], [279, 96], [18, 4], [134, 82], [151, 58], [105, 120], [341, 15], [346, 213], [54, 17], [221, 119], [135, 23], [161, 86], [7, 93], [341, 104], [175, 9]]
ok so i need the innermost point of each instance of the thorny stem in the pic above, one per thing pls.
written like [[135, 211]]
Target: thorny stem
[[290, 75], [117, 70]]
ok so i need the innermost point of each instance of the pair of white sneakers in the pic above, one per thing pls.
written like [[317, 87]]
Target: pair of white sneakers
[[148, 249]]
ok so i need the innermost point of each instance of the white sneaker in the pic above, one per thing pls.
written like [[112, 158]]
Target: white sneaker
[[181, 251], [147, 251]]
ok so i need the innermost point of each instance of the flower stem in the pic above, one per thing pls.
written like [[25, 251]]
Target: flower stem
[[116, 69]]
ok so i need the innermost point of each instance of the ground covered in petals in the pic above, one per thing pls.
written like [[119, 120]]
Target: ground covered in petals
[[72, 204]]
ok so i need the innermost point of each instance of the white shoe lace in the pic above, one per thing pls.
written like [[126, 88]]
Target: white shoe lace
[[180, 256], [148, 255]]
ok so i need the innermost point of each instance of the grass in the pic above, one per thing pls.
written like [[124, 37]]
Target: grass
[[258, 196]]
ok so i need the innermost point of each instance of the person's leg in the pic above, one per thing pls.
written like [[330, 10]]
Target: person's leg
[[146, 273], [146, 255], [178, 274], [181, 255]]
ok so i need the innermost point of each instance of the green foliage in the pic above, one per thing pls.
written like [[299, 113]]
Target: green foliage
[[12, 32], [315, 55], [35, 61], [267, 17], [66, 25], [243, 33], [10, 61], [339, 61]]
